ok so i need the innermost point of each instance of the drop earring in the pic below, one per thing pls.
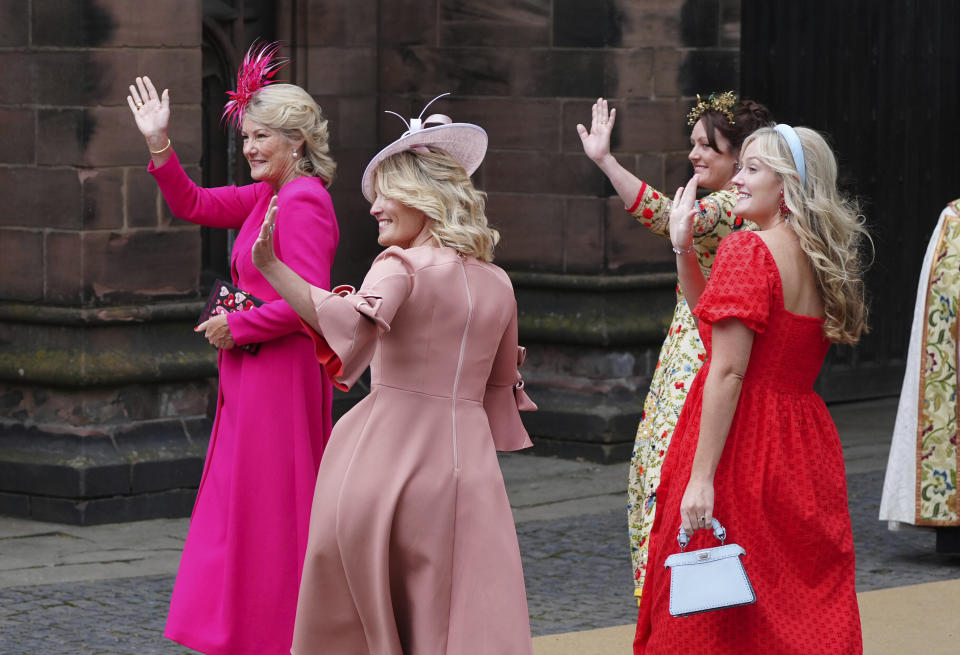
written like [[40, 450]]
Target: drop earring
[[783, 205], [295, 154]]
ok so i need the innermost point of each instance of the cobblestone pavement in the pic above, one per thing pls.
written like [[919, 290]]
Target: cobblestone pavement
[[577, 569], [110, 617], [564, 597], [891, 559]]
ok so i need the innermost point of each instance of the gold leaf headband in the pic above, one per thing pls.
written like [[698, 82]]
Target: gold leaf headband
[[719, 102]]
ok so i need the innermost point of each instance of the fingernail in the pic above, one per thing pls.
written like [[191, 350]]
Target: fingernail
[[196, 329]]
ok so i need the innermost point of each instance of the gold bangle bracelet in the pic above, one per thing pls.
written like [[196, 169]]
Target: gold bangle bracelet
[[163, 149]]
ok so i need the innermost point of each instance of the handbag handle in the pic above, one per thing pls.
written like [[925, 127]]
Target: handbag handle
[[718, 531]]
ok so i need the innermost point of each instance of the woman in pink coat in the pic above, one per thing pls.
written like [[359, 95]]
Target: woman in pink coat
[[412, 546], [236, 590]]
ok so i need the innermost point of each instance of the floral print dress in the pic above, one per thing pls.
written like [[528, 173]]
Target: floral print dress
[[920, 486], [681, 357]]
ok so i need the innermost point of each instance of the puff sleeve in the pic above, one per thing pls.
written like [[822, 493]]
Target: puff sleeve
[[740, 286], [351, 321], [504, 397], [225, 207]]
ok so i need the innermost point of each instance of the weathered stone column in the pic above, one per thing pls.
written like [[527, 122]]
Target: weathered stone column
[[105, 391]]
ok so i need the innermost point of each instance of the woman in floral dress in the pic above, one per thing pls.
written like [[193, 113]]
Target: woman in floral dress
[[720, 124]]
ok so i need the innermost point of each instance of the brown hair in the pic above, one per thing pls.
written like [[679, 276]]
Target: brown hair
[[748, 117]]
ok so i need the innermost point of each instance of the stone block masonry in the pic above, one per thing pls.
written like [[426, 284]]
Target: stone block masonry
[[104, 390], [99, 284]]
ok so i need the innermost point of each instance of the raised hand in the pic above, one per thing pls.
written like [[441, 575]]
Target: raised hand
[[151, 111], [683, 216], [596, 142], [263, 254]]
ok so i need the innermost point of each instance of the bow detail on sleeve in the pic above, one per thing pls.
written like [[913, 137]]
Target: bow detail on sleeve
[[364, 302], [524, 404]]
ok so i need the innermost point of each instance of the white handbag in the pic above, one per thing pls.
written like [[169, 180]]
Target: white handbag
[[708, 579]]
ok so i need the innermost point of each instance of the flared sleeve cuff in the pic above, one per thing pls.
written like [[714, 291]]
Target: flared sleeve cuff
[[652, 209], [351, 324], [524, 404], [503, 404]]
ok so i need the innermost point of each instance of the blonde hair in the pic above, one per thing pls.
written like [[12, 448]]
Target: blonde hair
[[830, 226], [437, 185], [293, 112]]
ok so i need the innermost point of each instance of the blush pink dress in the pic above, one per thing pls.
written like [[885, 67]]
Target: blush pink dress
[[412, 544], [236, 589]]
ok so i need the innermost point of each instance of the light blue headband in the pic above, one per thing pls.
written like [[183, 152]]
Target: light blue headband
[[793, 140]]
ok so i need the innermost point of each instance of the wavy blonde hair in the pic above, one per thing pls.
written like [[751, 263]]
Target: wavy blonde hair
[[829, 225], [437, 185], [294, 113]]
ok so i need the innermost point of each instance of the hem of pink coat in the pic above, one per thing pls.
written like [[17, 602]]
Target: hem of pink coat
[[190, 641]]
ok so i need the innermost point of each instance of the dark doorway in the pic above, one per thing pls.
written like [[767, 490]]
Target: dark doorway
[[881, 78], [229, 27]]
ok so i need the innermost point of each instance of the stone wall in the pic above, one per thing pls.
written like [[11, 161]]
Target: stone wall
[[104, 390], [595, 288], [106, 394]]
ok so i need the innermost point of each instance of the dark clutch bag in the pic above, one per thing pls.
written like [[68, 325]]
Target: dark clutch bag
[[226, 299]]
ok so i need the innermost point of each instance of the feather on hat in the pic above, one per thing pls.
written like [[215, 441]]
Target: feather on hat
[[259, 66]]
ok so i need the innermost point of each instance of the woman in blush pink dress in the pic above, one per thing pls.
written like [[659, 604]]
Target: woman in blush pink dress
[[236, 589], [412, 544]]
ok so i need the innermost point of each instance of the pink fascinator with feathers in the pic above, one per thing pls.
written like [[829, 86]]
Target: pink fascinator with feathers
[[259, 66]]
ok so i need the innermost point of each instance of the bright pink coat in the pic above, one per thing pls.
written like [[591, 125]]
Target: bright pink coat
[[236, 590]]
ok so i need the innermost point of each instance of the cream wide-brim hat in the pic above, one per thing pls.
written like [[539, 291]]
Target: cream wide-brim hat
[[465, 142]]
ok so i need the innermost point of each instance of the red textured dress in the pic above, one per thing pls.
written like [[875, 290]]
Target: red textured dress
[[780, 486]]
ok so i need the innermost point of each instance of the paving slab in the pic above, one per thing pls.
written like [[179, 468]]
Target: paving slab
[[34, 553], [542, 488]]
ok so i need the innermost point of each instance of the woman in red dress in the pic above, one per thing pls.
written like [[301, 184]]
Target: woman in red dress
[[755, 445]]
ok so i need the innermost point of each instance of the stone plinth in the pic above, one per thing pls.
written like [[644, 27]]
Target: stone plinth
[[592, 345], [104, 412]]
